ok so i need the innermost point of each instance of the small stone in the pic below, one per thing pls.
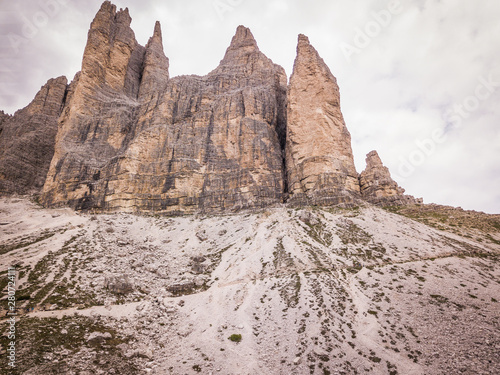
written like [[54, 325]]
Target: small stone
[[100, 336], [202, 236]]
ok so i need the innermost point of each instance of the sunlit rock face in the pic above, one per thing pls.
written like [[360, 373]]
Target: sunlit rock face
[[133, 139], [319, 159]]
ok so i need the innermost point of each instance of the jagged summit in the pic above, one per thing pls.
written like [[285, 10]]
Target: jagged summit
[[242, 52], [130, 138], [243, 38], [139, 140], [155, 66], [157, 32]]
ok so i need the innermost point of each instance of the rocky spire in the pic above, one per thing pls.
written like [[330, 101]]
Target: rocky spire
[[112, 56], [239, 52], [377, 185], [243, 39], [319, 160], [27, 139], [155, 67]]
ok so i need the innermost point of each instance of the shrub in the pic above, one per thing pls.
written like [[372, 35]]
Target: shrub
[[235, 337]]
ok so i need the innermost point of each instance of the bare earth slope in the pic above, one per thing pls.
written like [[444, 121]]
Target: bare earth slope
[[319, 291]]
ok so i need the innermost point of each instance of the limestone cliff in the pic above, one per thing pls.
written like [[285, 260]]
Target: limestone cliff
[[133, 139], [319, 159], [378, 187], [27, 140], [130, 138]]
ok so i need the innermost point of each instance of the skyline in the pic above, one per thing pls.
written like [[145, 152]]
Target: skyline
[[426, 107]]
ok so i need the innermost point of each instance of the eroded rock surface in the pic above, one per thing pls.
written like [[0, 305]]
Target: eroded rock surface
[[378, 187], [130, 138], [133, 139], [320, 163], [27, 139]]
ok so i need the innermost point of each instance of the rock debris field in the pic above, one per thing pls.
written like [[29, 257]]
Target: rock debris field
[[276, 291]]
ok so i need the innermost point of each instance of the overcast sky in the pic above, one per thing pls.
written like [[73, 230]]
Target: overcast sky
[[419, 80]]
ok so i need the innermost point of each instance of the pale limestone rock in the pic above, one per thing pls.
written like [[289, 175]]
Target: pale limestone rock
[[168, 145], [155, 66], [130, 138], [378, 187], [319, 159]]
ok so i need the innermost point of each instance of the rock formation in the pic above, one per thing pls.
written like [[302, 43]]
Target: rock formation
[[27, 140], [133, 139], [130, 138], [378, 187], [155, 66], [319, 159]]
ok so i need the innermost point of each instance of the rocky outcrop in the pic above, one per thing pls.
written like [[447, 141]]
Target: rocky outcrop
[[27, 140], [133, 139], [320, 164], [378, 187]]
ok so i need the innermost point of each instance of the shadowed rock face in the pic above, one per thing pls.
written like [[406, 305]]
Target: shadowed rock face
[[133, 139], [319, 159], [27, 140], [378, 187]]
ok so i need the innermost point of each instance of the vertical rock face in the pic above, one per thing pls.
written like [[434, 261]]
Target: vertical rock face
[[27, 139], [99, 117], [155, 66], [320, 163], [112, 57], [130, 138], [378, 187], [133, 139]]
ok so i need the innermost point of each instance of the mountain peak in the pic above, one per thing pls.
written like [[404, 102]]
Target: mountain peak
[[319, 154], [243, 42], [303, 39], [373, 160], [155, 66], [242, 45], [243, 38], [157, 31], [107, 15]]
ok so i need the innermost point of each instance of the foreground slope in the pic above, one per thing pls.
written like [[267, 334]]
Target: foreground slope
[[313, 291]]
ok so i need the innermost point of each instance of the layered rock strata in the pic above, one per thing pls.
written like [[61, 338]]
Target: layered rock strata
[[130, 138], [378, 187], [320, 164], [133, 139], [27, 140]]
